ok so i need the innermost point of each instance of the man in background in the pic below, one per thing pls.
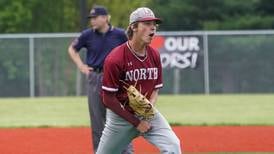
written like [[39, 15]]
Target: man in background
[[98, 41]]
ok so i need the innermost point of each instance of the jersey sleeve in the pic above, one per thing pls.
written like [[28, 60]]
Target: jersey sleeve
[[111, 75], [159, 81], [79, 42]]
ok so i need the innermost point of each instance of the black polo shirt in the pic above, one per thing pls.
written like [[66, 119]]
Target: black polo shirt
[[99, 45]]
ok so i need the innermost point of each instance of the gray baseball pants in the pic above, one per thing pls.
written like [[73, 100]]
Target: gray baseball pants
[[97, 111], [119, 132]]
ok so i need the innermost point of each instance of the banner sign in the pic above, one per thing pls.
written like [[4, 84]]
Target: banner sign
[[178, 51]]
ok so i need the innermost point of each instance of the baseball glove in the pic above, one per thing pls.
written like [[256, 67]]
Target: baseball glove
[[139, 103]]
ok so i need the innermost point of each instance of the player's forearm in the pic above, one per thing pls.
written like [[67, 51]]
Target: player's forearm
[[74, 55], [110, 100], [154, 96]]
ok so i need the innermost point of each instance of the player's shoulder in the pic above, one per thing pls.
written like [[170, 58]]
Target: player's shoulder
[[115, 56]]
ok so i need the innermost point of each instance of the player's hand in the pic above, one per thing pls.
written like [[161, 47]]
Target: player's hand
[[143, 126], [85, 69]]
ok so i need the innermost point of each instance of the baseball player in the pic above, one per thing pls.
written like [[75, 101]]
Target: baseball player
[[98, 41], [134, 63]]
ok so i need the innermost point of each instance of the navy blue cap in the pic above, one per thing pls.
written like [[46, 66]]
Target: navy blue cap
[[97, 10]]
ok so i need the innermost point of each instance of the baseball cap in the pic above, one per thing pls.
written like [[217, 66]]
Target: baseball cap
[[97, 10], [143, 14]]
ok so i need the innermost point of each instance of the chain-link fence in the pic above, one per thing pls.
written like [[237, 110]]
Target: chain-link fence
[[193, 62]]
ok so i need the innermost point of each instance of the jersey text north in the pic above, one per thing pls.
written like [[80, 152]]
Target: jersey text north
[[142, 74]]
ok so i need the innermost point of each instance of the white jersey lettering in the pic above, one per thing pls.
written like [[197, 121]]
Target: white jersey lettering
[[129, 75], [136, 74], [150, 73], [142, 74], [155, 73]]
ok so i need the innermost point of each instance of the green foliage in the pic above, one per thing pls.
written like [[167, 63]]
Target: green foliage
[[265, 7], [214, 14], [14, 16], [20, 16], [119, 9], [64, 16]]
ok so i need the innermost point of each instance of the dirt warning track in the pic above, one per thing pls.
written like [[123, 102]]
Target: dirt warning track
[[193, 139]]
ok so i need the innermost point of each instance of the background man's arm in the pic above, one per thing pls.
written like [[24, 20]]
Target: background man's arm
[[75, 56]]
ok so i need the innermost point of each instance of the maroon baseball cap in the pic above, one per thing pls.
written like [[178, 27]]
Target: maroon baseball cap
[[143, 14]]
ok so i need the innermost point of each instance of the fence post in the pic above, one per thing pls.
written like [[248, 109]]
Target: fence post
[[31, 67], [176, 82], [206, 65], [78, 83]]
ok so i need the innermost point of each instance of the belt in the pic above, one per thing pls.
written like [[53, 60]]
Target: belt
[[98, 70]]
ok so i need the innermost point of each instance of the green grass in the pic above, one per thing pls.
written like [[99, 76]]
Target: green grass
[[178, 109], [44, 112], [218, 109]]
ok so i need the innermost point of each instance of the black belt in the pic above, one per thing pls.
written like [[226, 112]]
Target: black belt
[[98, 70]]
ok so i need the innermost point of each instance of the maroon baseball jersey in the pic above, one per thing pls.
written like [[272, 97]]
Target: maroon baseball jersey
[[123, 64]]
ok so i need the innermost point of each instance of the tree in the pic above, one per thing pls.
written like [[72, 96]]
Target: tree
[[214, 14]]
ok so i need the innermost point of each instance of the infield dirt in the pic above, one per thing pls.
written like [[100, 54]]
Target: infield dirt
[[193, 139]]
